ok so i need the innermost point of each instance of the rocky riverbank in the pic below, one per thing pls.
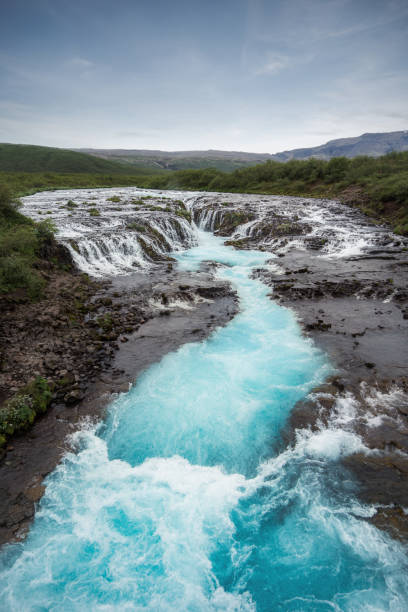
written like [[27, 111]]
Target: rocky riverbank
[[90, 339], [356, 311]]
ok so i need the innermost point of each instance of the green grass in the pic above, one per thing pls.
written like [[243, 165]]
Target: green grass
[[136, 226], [27, 183]]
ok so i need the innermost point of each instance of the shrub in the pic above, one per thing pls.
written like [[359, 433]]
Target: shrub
[[105, 322], [22, 240], [45, 230], [94, 212], [17, 273], [17, 415], [19, 412], [185, 214], [8, 204], [136, 226]]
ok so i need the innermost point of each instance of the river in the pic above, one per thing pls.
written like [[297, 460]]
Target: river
[[186, 497]]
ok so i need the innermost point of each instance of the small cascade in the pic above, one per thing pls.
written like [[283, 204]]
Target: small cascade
[[125, 250], [108, 255], [208, 218], [249, 229], [177, 232]]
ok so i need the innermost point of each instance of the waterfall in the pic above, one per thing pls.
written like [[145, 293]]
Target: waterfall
[[108, 255], [114, 231]]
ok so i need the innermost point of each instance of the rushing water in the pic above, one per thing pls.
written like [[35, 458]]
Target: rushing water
[[185, 500]]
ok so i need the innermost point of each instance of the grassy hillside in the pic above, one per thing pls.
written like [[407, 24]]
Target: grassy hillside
[[31, 158], [185, 163], [22, 243], [225, 161]]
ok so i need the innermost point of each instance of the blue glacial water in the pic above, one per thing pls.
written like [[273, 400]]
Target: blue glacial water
[[184, 499]]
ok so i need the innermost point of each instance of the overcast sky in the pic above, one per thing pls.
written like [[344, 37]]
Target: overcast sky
[[248, 75]]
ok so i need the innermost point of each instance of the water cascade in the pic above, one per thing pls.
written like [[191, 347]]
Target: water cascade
[[186, 499]]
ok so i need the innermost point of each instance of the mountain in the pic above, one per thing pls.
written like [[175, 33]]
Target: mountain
[[31, 158], [373, 145]]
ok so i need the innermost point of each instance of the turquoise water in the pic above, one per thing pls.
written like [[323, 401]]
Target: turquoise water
[[184, 499]]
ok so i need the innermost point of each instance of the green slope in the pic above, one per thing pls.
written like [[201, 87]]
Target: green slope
[[32, 158]]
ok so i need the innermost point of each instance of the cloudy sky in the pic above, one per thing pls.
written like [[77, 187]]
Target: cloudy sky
[[249, 75]]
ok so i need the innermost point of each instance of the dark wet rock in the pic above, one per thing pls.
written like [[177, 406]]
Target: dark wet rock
[[242, 243], [73, 397], [318, 325], [212, 292], [316, 242], [228, 221], [278, 227], [381, 478]]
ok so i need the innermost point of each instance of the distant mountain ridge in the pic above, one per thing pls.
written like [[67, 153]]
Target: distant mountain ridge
[[33, 158], [371, 144]]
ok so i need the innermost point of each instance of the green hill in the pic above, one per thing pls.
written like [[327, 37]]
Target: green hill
[[32, 158]]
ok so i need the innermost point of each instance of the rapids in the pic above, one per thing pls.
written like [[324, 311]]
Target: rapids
[[186, 498]]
